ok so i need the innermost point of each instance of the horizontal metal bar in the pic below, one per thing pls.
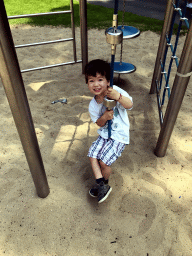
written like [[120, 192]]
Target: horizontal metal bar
[[51, 66], [37, 14], [43, 43]]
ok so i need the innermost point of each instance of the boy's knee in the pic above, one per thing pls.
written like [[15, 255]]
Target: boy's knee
[[102, 164]]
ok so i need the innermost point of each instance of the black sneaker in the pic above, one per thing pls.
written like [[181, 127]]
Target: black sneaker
[[94, 191], [103, 192]]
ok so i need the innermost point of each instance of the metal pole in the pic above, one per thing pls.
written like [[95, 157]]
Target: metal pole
[[177, 94], [73, 30], [113, 50], [162, 45], [51, 66], [112, 66], [111, 85], [37, 14], [84, 40], [15, 91]]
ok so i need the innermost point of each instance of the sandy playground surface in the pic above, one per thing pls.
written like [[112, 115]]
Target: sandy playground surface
[[149, 210]]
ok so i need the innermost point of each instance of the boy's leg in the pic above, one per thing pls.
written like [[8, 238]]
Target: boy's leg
[[104, 189], [96, 168], [106, 170], [98, 176], [101, 189]]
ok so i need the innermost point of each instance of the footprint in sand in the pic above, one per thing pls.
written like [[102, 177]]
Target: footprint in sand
[[149, 178], [141, 207], [185, 233]]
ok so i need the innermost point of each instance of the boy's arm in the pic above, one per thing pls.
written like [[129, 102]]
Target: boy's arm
[[123, 100], [108, 115]]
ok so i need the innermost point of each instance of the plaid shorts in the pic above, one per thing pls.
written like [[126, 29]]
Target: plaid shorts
[[106, 150]]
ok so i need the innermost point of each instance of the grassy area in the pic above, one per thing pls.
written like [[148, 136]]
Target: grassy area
[[97, 16]]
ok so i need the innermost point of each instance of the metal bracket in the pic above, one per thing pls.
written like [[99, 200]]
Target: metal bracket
[[61, 100], [109, 104]]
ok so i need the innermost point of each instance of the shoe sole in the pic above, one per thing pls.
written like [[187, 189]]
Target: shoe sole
[[105, 197], [92, 195]]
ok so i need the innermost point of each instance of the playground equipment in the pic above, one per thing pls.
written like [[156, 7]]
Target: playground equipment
[[15, 91], [114, 36], [184, 67], [128, 33], [83, 36]]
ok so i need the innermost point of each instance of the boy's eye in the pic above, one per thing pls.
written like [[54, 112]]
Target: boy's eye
[[100, 79]]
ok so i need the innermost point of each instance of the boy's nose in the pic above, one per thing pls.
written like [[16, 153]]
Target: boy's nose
[[96, 83]]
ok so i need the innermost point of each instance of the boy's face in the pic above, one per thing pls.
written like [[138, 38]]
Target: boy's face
[[98, 84]]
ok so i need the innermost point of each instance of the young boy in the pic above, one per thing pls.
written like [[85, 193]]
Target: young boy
[[105, 151]]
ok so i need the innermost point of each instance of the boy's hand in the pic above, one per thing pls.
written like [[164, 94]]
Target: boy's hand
[[108, 114], [112, 94], [123, 100]]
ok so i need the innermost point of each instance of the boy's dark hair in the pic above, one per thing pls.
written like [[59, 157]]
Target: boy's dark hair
[[97, 66]]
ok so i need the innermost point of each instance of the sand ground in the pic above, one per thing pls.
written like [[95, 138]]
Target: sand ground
[[149, 210]]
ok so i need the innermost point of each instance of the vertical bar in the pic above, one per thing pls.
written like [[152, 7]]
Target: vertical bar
[[73, 31], [84, 40], [112, 68], [15, 91], [116, 6], [111, 85], [177, 94], [162, 45]]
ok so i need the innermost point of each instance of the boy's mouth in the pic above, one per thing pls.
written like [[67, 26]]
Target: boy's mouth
[[97, 90]]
